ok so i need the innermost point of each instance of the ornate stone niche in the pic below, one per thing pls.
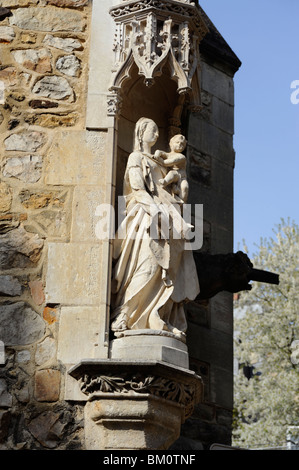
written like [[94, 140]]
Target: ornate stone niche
[[156, 70], [152, 34]]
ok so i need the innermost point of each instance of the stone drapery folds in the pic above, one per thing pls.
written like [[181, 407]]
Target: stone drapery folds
[[154, 274]]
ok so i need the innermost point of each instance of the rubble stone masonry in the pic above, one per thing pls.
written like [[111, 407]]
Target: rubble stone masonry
[[44, 48]]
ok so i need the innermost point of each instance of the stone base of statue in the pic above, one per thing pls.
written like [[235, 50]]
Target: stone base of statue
[[136, 345], [135, 405]]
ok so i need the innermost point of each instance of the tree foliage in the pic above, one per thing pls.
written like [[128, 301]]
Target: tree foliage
[[266, 326]]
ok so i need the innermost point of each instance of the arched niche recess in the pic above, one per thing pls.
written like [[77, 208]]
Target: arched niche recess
[[160, 102]]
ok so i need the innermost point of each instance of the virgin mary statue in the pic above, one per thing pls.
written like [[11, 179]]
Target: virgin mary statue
[[154, 274]]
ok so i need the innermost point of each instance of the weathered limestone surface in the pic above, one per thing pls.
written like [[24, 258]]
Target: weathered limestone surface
[[102, 33], [152, 424], [53, 87], [8, 75], [47, 19], [150, 345], [7, 34], [18, 3], [38, 60], [74, 273], [45, 351], [47, 428], [68, 3], [25, 141], [5, 197], [43, 77], [66, 44], [79, 333], [85, 202], [26, 168], [66, 164], [69, 65]]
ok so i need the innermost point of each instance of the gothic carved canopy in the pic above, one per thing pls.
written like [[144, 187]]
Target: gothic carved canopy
[[153, 33]]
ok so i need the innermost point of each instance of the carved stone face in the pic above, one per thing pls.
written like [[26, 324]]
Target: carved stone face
[[151, 134], [178, 143]]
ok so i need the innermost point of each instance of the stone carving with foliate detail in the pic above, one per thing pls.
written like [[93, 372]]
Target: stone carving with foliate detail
[[183, 394]]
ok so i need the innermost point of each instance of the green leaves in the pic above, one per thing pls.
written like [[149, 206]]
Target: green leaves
[[266, 324]]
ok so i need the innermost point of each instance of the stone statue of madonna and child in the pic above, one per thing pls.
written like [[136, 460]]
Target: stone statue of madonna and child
[[154, 274]]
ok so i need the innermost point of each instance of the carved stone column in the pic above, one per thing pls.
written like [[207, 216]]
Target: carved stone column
[[135, 405]]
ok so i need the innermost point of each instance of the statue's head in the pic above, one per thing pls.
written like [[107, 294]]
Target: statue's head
[[178, 143], [146, 131]]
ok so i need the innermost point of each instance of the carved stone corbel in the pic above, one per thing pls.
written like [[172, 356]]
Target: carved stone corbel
[[151, 399]]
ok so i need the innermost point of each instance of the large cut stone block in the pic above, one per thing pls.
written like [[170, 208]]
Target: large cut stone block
[[217, 83], [79, 330], [74, 273], [86, 200], [210, 140], [102, 33], [223, 115], [77, 157], [215, 348]]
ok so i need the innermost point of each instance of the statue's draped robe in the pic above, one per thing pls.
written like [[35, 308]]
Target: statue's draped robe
[[153, 276]]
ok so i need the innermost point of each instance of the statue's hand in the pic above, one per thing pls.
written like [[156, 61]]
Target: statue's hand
[[158, 156]]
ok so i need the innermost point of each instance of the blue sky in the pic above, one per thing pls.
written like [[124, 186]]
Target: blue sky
[[265, 36]]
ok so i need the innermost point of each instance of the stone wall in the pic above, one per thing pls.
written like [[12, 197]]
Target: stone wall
[[43, 75], [52, 269]]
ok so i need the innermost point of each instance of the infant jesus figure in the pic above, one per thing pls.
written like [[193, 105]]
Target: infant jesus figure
[[177, 161]]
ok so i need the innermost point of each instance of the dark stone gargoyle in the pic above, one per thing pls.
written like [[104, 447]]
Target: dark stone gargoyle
[[230, 272]]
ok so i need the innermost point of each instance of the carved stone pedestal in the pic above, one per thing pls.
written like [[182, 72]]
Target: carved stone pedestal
[[134, 422], [135, 405], [140, 345]]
